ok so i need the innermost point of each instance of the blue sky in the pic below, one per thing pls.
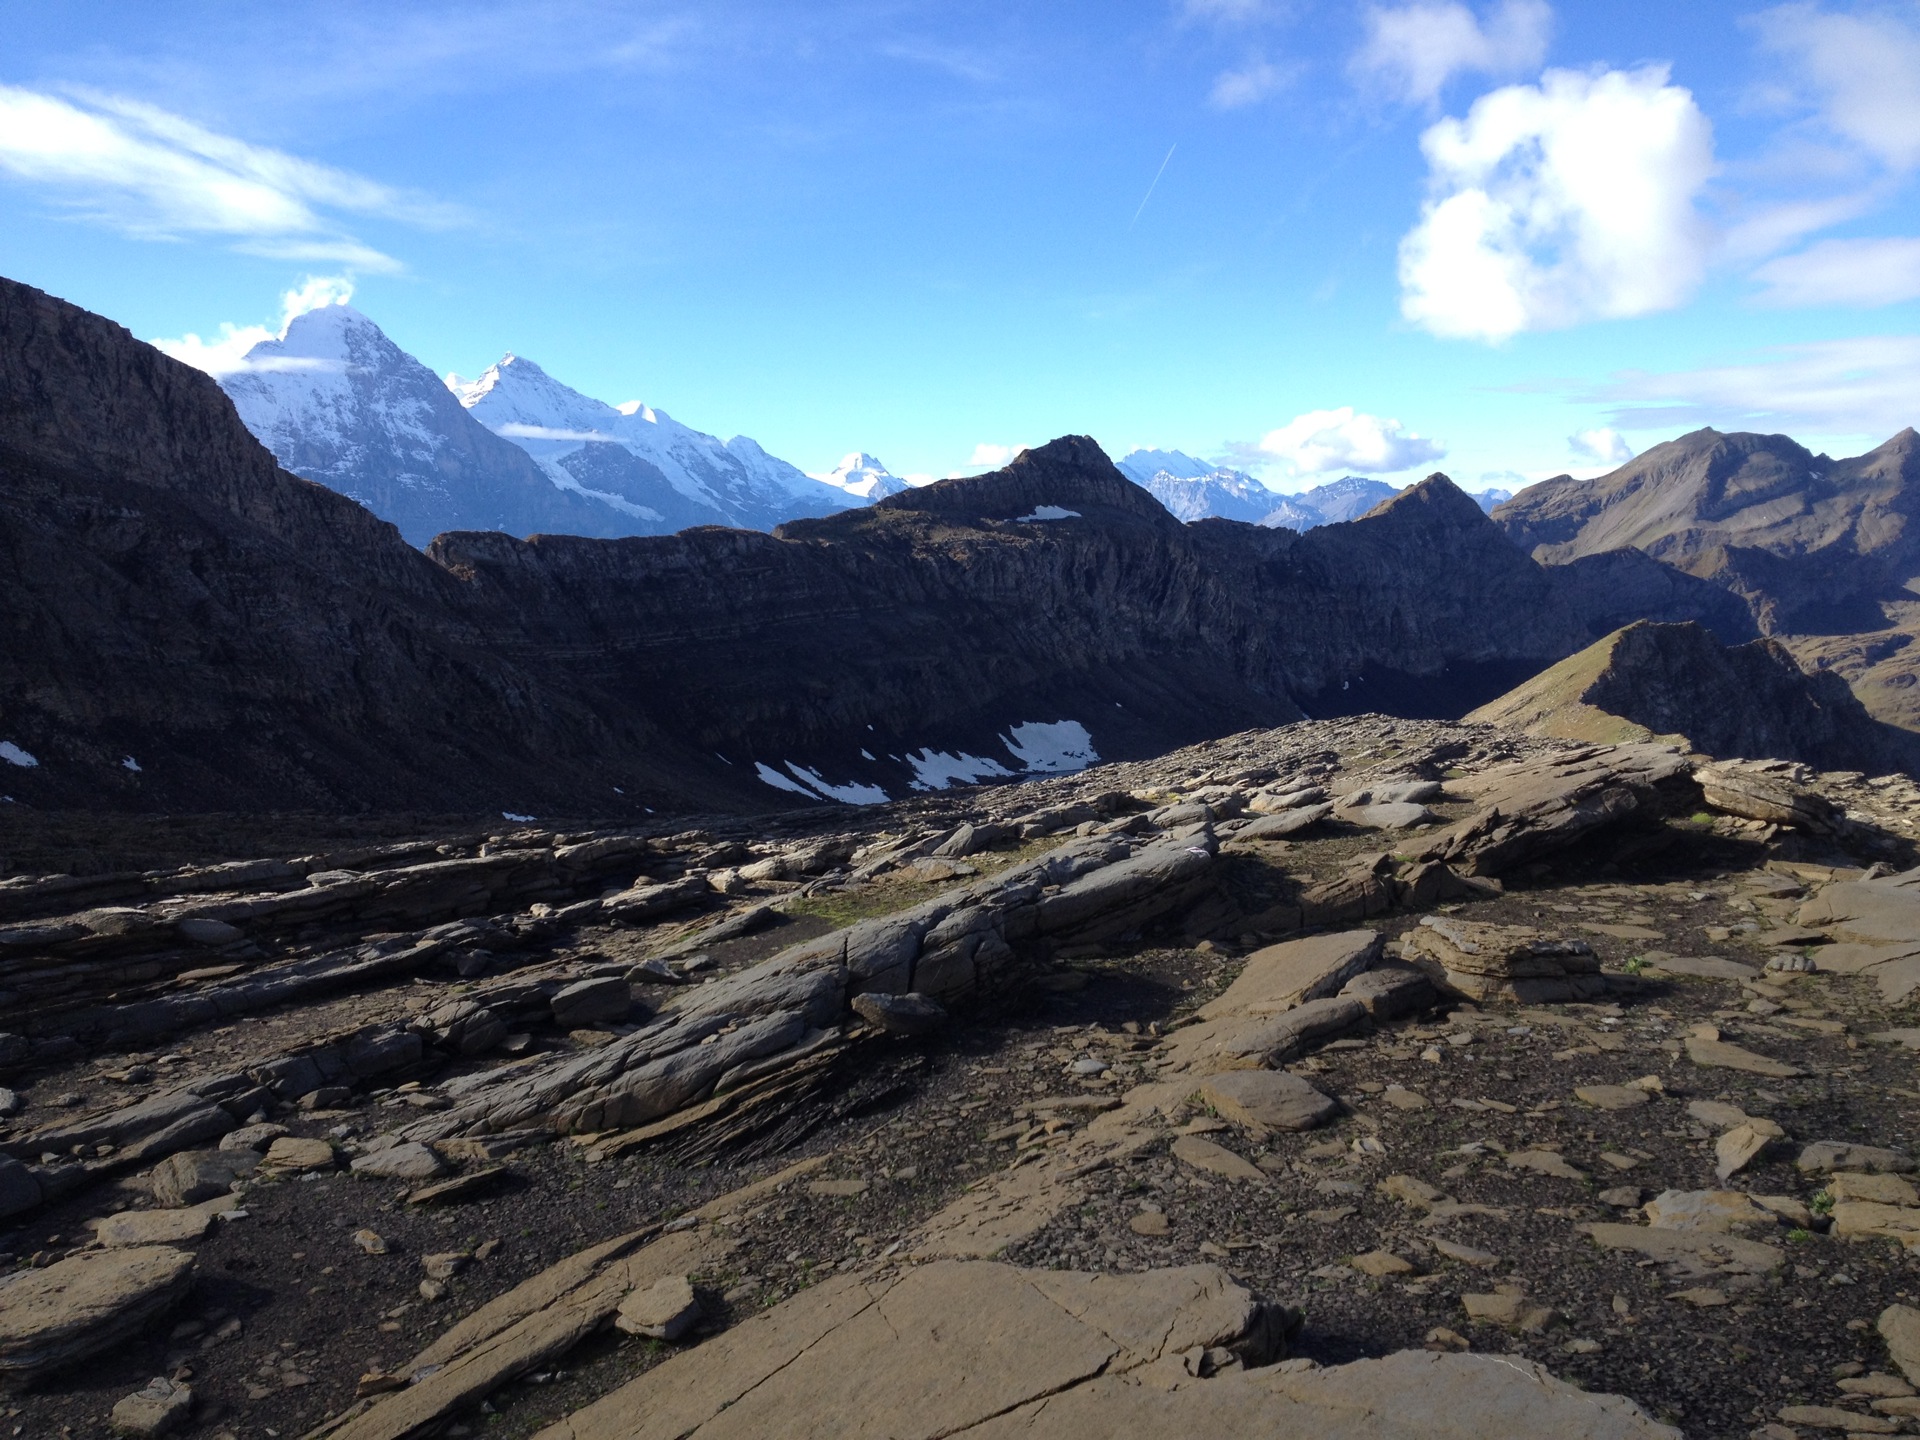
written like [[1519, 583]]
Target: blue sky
[[1504, 240]]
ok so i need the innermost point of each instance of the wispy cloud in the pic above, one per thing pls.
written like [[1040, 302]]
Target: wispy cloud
[[226, 352], [1414, 50], [1602, 445], [1845, 272], [155, 175], [1250, 83], [1867, 386]]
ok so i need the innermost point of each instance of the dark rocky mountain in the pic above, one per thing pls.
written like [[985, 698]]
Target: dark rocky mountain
[[1820, 551], [190, 627], [1649, 680]]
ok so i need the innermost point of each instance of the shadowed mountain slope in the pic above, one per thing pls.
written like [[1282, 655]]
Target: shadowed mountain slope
[[191, 627]]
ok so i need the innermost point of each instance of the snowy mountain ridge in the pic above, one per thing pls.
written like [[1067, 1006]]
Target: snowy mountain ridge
[[1192, 489]]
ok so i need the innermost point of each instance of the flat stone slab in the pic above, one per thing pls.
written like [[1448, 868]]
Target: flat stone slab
[[1613, 1097], [1281, 977], [1723, 1055], [1268, 1099], [1214, 1159], [1287, 822], [290, 1152], [158, 1227], [408, 1161], [1704, 967], [1826, 1157], [987, 1352], [84, 1304], [1389, 815], [1731, 1252], [1717, 1211]]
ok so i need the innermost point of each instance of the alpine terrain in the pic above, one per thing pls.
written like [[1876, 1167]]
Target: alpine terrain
[[999, 957]]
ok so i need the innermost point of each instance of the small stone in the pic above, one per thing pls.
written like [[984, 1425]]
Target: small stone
[[159, 1409], [1711, 1210], [1214, 1159], [839, 1189], [1149, 1222], [1509, 1307], [1879, 1384], [445, 1265], [1380, 1263], [1441, 1338], [666, 1310], [411, 1161], [1878, 1189], [371, 1242], [377, 1382], [1737, 1149], [1465, 1254], [1544, 1162], [1899, 1326], [1622, 1197], [1704, 1298], [1612, 1097], [327, 1097], [1721, 1054], [290, 1152], [1582, 1347], [1617, 1161], [1832, 1417], [1402, 1098], [432, 1289], [1410, 1190]]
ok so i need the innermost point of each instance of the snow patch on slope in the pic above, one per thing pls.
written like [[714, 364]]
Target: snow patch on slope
[[1055, 748], [936, 770]]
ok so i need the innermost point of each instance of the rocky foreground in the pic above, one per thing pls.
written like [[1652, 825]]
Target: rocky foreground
[[1370, 1077]]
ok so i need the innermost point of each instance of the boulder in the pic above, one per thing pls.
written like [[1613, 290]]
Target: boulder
[[159, 1409], [1481, 961], [85, 1304], [19, 1191], [591, 1002], [909, 1014], [195, 1175], [1280, 977], [665, 1310], [1267, 1100]]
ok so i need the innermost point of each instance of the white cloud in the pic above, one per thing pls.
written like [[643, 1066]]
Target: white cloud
[[1861, 69], [1601, 446], [226, 352], [991, 457], [1865, 386], [155, 175], [1560, 202], [1416, 49], [1845, 272], [1321, 441], [1250, 84]]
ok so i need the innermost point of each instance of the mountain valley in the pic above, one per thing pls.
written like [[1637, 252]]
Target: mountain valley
[[995, 957]]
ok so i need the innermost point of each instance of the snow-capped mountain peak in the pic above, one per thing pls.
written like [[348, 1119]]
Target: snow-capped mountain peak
[[861, 475]]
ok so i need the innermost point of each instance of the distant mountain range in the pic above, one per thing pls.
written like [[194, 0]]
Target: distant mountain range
[[515, 450], [1192, 490]]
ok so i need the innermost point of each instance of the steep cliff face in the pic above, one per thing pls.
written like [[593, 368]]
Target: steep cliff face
[[177, 603], [1749, 700]]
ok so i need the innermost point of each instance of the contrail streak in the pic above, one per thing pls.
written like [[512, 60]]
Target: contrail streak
[[1156, 180]]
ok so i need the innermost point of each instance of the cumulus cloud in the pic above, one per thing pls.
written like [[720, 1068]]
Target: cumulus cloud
[[1601, 446], [1845, 272], [1416, 49], [1321, 441], [153, 174], [226, 352], [1249, 84], [1867, 386], [1858, 70], [1561, 202], [991, 457]]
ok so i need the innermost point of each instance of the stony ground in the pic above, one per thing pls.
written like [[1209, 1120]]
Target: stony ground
[[290, 1310]]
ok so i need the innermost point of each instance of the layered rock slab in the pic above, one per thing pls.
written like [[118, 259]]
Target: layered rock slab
[[987, 1350]]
